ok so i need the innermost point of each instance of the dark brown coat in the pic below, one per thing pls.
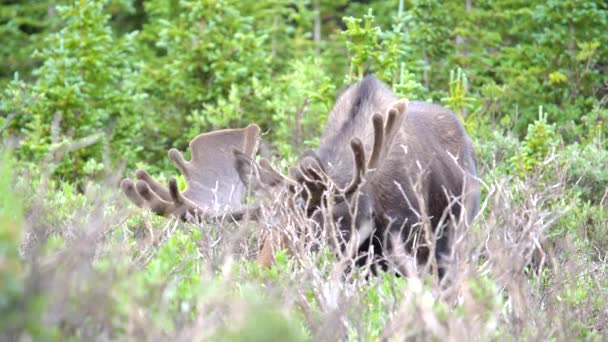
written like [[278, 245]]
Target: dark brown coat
[[431, 154]]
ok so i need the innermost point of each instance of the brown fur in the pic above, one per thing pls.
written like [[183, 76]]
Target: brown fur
[[399, 163], [429, 161]]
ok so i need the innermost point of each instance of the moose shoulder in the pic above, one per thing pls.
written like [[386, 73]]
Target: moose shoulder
[[391, 175]]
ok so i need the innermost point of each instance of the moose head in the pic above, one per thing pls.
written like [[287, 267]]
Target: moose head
[[386, 174]]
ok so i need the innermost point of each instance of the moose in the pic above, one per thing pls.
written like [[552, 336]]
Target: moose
[[389, 175]]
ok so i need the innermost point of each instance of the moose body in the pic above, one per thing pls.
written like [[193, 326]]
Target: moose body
[[420, 178], [428, 170]]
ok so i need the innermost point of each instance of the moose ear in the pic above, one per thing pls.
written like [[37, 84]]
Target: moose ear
[[245, 167], [254, 175]]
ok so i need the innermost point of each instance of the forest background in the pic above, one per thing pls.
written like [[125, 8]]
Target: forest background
[[92, 90]]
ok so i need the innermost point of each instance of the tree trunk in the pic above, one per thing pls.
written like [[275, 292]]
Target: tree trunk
[[427, 65], [316, 34]]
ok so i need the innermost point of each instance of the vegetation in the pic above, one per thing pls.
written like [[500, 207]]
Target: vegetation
[[91, 90]]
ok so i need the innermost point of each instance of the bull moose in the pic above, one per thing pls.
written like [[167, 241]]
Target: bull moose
[[419, 178]]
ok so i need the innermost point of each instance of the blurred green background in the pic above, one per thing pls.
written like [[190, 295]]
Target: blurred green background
[[87, 85]]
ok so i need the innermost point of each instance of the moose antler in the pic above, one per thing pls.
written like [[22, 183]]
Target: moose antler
[[384, 134], [310, 170], [212, 181]]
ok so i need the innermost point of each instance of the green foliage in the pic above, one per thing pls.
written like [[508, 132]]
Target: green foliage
[[301, 107], [204, 65], [219, 64], [407, 84], [10, 236], [367, 49], [21, 306], [371, 49], [22, 24], [213, 56], [173, 274], [539, 141], [15, 96], [362, 44], [85, 95], [428, 23], [586, 169], [458, 101], [379, 295], [262, 322], [588, 224]]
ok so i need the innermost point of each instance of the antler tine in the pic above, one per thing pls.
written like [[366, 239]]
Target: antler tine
[[378, 122], [153, 201], [160, 190], [384, 134], [176, 196], [395, 117], [178, 160], [128, 187], [147, 193], [359, 156]]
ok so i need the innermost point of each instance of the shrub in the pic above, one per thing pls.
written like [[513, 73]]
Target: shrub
[[84, 97]]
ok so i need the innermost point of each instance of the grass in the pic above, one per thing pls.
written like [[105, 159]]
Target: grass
[[89, 266]]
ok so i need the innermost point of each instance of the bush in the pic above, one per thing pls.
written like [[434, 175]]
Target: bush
[[586, 170], [84, 99]]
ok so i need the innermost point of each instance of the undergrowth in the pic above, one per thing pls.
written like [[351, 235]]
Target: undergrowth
[[88, 266]]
